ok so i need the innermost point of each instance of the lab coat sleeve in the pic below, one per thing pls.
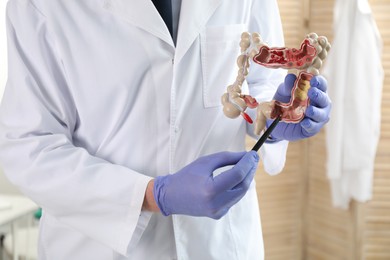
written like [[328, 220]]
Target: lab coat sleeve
[[95, 197], [263, 82]]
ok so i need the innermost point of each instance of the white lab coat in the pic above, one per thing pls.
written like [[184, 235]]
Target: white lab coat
[[99, 101], [355, 78]]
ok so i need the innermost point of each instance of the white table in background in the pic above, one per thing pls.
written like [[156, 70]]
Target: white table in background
[[20, 208]]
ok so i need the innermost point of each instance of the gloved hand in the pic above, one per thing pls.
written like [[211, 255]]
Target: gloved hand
[[194, 191], [316, 115]]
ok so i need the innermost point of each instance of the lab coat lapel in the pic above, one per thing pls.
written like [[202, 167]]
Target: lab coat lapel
[[140, 13], [194, 15]]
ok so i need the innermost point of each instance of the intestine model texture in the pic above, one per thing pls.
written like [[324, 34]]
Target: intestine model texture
[[305, 62]]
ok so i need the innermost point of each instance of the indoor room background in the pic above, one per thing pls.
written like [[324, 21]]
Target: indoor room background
[[298, 219]]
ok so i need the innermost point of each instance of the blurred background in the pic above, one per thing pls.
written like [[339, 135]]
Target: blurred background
[[299, 221], [19, 216]]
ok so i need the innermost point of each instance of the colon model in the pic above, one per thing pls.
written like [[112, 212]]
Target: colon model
[[304, 62]]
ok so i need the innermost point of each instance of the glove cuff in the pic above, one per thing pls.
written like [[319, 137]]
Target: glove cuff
[[159, 194]]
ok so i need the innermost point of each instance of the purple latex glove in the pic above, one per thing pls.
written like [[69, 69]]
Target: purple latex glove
[[316, 115], [194, 191]]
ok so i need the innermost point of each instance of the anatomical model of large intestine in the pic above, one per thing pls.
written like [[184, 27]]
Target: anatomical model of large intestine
[[304, 62]]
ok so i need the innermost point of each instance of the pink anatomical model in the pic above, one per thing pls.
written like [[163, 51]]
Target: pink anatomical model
[[304, 62], [285, 57]]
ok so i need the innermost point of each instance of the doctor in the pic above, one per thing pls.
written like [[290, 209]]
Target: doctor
[[114, 126]]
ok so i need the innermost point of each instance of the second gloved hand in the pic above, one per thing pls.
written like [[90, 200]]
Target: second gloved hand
[[316, 115], [194, 191]]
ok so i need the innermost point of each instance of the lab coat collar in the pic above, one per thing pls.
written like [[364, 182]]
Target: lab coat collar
[[194, 15], [140, 13]]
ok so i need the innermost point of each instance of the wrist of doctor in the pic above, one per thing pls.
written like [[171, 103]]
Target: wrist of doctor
[[149, 203]]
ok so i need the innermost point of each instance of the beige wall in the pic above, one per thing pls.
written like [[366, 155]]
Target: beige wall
[[298, 219]]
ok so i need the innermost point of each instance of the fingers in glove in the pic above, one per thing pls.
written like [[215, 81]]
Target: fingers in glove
[[229, 198], [320, 115], [246, 183], [283, 93], [220, 213], [233, 177], [318, 98], [310, 127], [319, 82], [222, 159]]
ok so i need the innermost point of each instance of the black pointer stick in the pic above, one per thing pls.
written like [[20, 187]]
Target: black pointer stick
[[266, 134]]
